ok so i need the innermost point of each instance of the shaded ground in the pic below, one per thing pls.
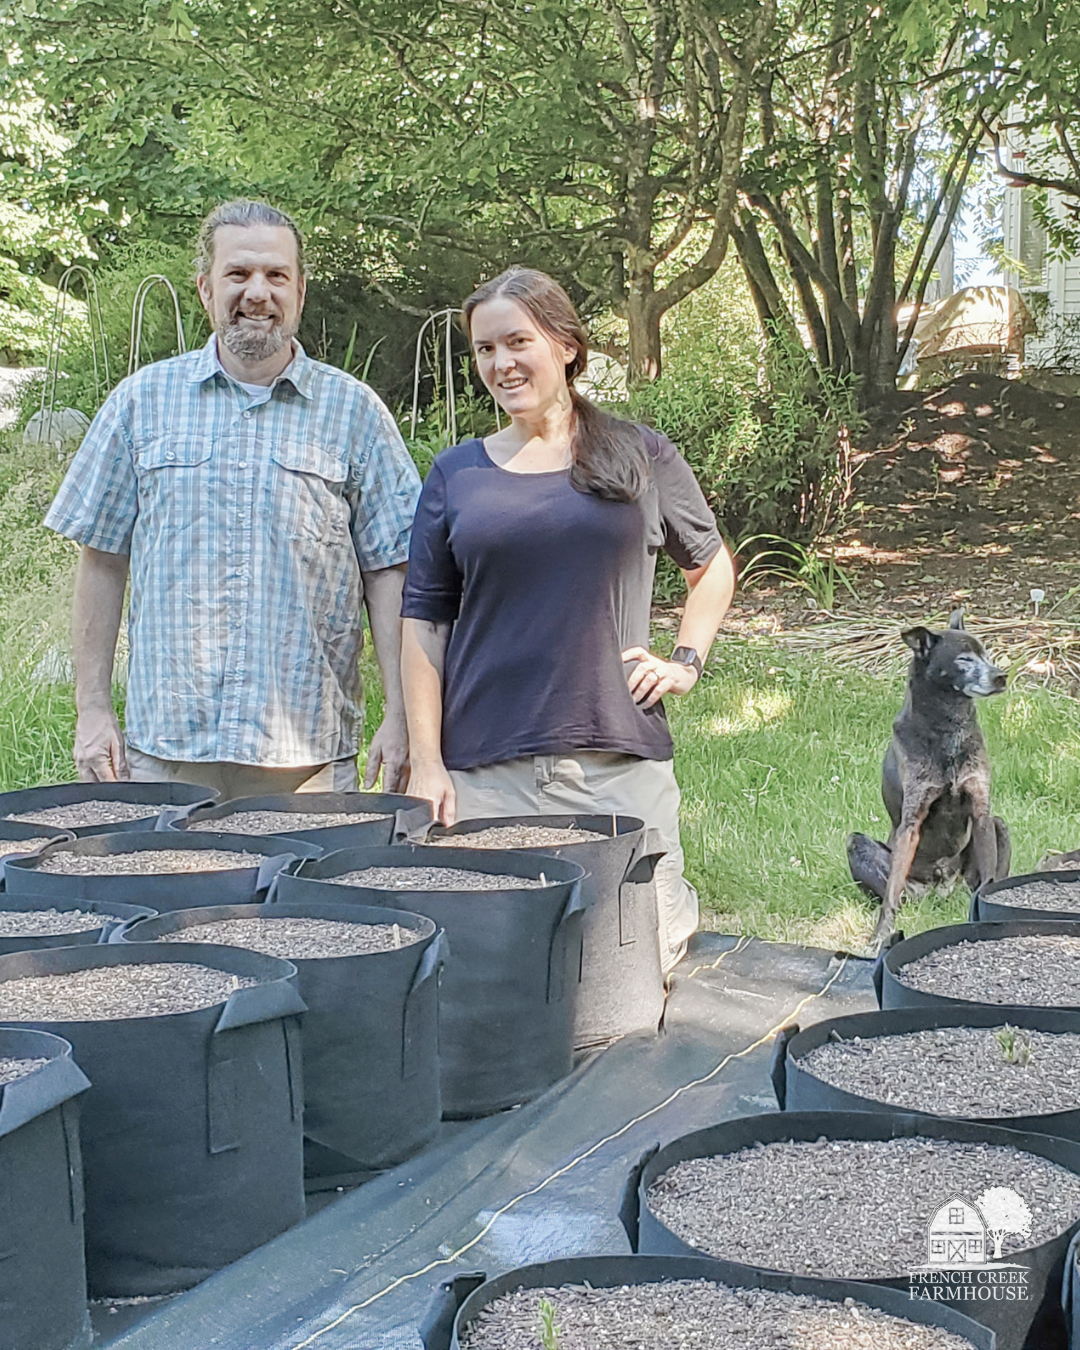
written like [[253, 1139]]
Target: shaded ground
[[971, 494]]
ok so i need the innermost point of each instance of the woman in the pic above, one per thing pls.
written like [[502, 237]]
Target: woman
[[529, 684]]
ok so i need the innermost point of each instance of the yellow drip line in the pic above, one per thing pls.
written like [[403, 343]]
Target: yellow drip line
[[582, 1157]]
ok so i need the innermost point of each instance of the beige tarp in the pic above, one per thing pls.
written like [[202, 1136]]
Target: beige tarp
[[979, 320]]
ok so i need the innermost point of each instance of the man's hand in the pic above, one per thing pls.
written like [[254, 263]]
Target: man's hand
[[390, 752], [99, 747], [653, 677], [433, 784]]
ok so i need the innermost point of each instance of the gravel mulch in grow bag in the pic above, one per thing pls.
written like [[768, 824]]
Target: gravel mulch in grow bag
[[1036, 895], [191, 1132], [1023, 963], [676, 1302], [510, 982], [162, 870], [1020, 1071], [332, 820], [28, 923], [370, 980], [100, 808], [25, 844], [43, 1270], [855, 1195], [622, 986], [435, 879]]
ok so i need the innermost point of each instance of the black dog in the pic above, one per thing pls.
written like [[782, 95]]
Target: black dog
[[936, 779]]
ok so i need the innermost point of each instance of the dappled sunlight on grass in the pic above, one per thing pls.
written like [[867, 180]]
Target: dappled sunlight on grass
[[755, 708]]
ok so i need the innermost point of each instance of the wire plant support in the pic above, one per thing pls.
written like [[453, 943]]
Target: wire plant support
[[138, 309], [447, 317], [102, 378]]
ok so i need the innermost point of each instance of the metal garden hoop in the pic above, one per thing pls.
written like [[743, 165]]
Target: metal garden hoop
[[138, 309], [56, 337], [451, 400]]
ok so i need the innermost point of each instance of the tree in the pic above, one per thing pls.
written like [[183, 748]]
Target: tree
[[1005, 1212], [857, 162], [602, 142]]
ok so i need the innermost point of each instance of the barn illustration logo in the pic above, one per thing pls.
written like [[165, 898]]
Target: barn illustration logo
[[963, 1250]]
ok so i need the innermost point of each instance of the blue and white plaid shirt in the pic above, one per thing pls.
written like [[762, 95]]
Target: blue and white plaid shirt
[[249, 521]]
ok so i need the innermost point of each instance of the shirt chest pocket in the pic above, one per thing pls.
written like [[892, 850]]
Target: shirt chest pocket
[[306, 490], [171, 473]]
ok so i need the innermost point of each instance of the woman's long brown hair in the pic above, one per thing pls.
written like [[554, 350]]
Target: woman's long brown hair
[[608, 455]]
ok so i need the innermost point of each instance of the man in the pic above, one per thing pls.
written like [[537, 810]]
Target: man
[[258, 498]]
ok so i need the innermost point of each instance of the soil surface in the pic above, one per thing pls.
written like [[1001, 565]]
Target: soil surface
[[695, 1313], [517, 836], [1063, 895], [78, 814], [109, 993], [433, 879], [148, 862], [10, 1069], [276, 822], [22, 845], [300, 939], [817, 1208], [968, 494], [1031, 972], [955, 1071], [47, 922]]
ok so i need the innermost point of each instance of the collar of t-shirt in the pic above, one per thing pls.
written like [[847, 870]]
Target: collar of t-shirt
[[258, 393]]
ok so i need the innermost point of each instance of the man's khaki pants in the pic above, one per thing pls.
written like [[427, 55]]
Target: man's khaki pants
[[244, 780], [594, 782]]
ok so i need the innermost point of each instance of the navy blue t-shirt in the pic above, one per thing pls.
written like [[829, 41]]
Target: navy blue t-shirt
[[546, 586]]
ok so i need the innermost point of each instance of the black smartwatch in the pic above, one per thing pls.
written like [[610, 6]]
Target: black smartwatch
[[687, 656]]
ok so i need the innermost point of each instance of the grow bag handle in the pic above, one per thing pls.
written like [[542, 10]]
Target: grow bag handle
[[651, 848], [1068, 1280], [878, 973], [437, 1324], [270, 870], [778, 1064], [26, 1098], [411, 825], [973, 908], [630, 1200], [560, 943], [171, 814], [431, 963]]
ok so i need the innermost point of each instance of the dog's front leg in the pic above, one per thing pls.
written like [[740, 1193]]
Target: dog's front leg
[[984, 840], [905, 844]]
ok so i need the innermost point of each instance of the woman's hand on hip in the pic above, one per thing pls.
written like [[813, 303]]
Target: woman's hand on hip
[[653, 677], [430, 781]]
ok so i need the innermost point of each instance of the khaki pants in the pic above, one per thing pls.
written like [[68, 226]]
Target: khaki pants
[[244, 780], [593, 782]]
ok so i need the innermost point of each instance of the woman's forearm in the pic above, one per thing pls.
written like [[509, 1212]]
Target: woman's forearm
[[423, 652], [710, 589]]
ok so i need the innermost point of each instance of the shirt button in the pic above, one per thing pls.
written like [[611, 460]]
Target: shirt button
[[169, 454], [242, 464], [246, 416]]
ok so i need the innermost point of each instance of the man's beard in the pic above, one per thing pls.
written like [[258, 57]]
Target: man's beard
[[254, 344]]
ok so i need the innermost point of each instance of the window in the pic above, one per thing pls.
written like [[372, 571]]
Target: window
[[956, 1216]]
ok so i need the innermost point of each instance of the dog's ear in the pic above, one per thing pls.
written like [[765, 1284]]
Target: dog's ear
[[956, 619], [920, 640]]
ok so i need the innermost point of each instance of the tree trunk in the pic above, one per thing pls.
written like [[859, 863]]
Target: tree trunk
[[643, 318]]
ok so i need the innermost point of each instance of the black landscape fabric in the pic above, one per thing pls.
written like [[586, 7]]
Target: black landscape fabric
[[347, 1278]]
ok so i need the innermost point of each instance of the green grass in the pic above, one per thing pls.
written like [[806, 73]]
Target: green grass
[[780, 758]]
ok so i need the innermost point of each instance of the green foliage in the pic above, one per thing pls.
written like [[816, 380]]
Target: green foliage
[[816, 573], [549, 1330], [1015, 1045]]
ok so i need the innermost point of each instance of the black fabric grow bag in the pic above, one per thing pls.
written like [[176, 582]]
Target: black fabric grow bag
[[463, 1298], [509, 988], [402, 814], [798, 1089], [622, 985], [113, 917], [893, 993], [985, 909], [1034, 1324], [42, 1267], [164, 893], [64, 794], [370, 1033], [191, 1132], [19, 829]]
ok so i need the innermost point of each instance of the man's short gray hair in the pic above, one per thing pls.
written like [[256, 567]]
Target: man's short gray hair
[[242, 212]]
